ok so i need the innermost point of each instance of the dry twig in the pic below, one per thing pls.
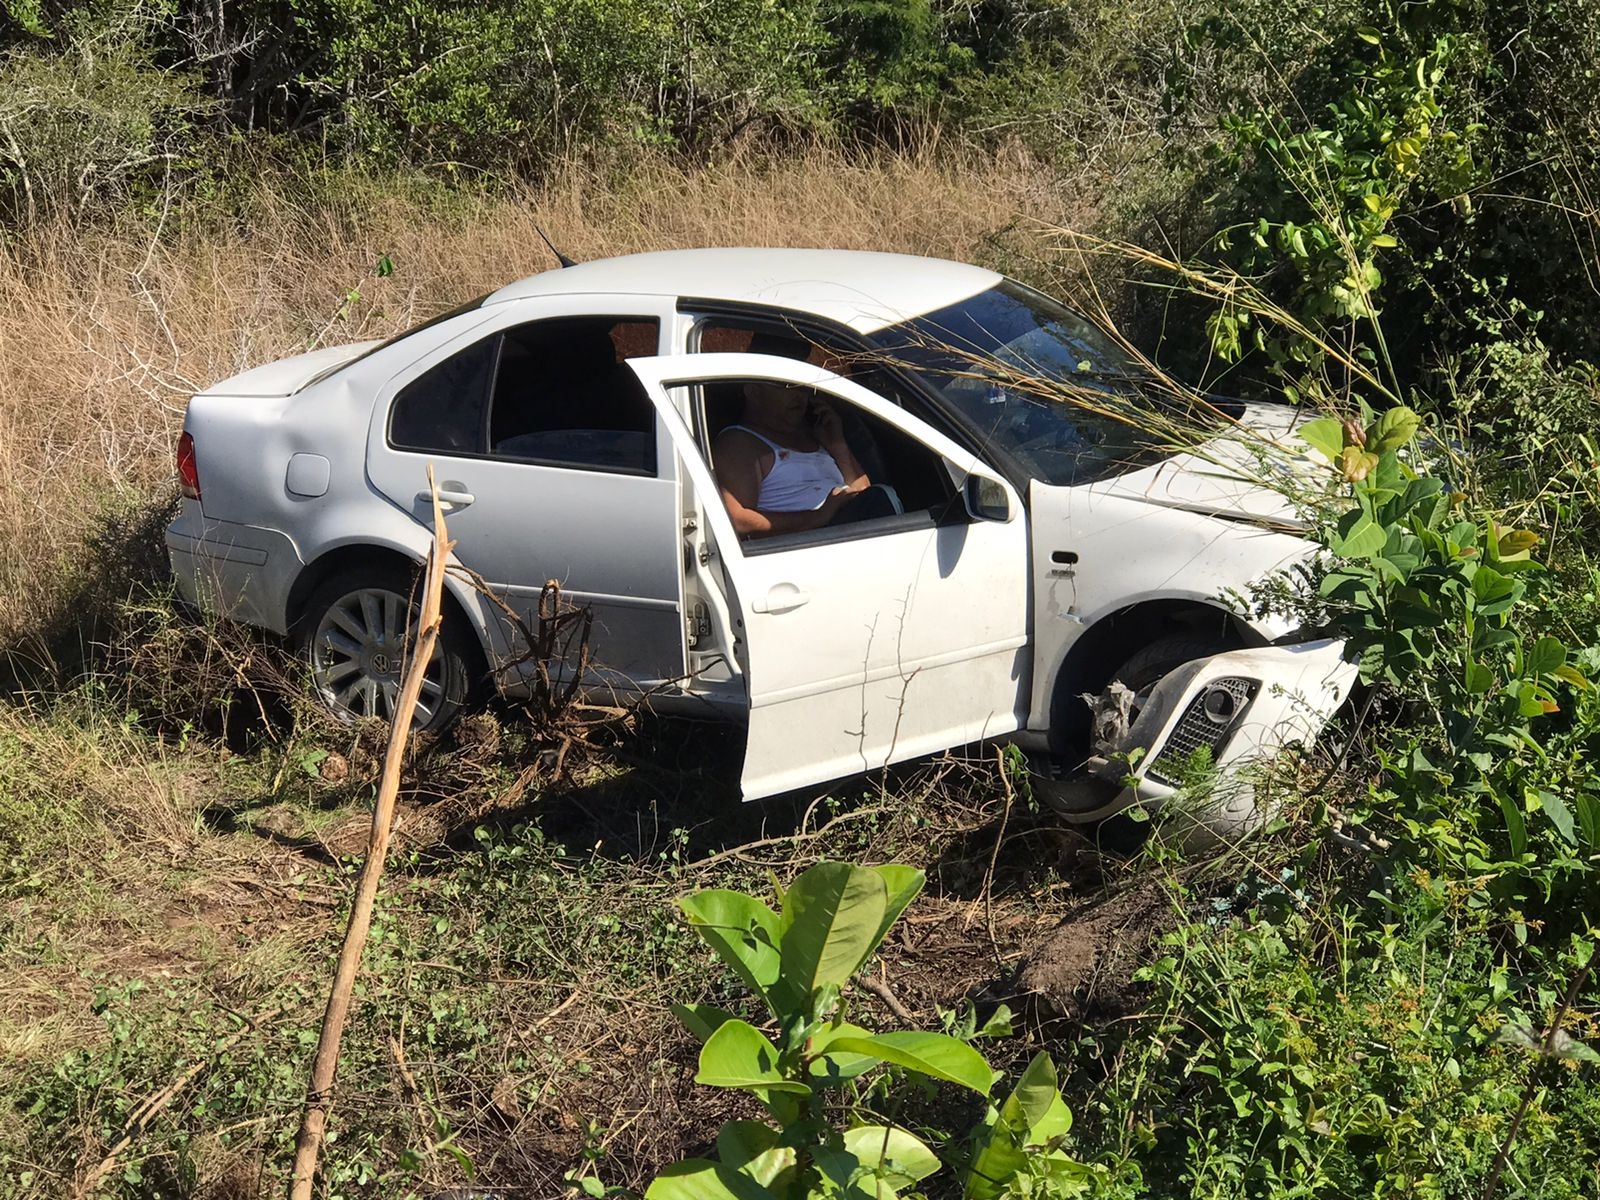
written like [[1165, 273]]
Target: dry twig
[[880, 989], [319, 1095]]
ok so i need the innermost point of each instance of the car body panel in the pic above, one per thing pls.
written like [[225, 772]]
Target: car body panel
[[861, 290], [610, 539], [1299, 689], [1130, 552], [1252, 471], [872, 650], [289, 375], [224, 567]]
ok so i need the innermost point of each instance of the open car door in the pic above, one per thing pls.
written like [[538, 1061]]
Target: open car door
[[874, 642]]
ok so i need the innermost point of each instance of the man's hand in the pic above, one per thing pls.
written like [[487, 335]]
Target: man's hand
[[837, 499], [827, 426]]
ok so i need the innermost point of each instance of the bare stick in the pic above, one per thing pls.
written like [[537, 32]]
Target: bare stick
[[1546, 1051], [319, 1095], [880, 989], [994, 855]]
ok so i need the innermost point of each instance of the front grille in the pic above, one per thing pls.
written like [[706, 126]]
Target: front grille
[[1210, 719]]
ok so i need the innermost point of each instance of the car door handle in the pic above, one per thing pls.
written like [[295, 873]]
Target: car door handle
[[781, 598], [451, 493]]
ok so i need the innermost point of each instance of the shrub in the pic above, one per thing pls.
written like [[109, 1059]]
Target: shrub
[[797, 961], [93, 120]]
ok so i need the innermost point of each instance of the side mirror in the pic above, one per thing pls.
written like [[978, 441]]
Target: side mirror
[[987, 499]]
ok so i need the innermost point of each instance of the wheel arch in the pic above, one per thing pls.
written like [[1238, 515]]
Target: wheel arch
[[352, 555], [1097, 652]]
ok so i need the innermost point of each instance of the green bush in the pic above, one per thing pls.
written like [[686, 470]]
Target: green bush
[[1310, 1046], [93, 120]]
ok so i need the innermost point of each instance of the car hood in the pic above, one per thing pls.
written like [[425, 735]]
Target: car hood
[[289, 375], [1250, 472]]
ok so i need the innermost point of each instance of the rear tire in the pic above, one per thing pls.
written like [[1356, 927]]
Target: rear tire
[[356, 634]]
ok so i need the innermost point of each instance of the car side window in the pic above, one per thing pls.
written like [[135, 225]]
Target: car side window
[[564, 396], [907, 484], [443, 408]]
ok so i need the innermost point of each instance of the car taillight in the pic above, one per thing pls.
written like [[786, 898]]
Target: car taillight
[[188, 471]]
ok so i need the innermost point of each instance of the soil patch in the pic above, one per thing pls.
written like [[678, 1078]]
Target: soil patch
[[1085, 968]]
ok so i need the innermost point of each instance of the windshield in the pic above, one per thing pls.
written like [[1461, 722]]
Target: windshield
[[973, 353]]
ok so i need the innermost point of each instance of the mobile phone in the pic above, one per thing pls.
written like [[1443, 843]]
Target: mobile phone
[[813, 412]]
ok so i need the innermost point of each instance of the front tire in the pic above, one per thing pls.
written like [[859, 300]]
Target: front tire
[[1071, 792], [357, 634]]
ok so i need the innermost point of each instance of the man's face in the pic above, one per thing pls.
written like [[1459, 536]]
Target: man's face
[[780, 404]]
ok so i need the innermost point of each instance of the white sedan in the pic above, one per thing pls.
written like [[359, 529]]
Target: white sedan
[[1045, 573]]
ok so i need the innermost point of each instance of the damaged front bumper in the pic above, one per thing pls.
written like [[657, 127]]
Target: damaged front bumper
[[1202, 727]]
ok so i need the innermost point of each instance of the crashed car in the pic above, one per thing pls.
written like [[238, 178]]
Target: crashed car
[[1051, 576]]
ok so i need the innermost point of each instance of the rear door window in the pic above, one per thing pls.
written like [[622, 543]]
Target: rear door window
[[553, 392], [442, 410], [563, 397]]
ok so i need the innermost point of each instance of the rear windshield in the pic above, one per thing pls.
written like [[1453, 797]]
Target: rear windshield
[[399, 337]]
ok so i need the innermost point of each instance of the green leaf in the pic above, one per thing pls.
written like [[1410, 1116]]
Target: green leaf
[[998, 1159], [1570, 674], [738, 1055], [834, 1066], [702, 1020], [1555, 808], [1392, 430], [933, 1054], [1516, 825], [901, 885], [846, 1177], [752, 1149], [1546, 657], [1035, 1108], [743, 932], [1324, 435], [831, 918], [740, 1141], [1516, 543], [1492, 591], [1479, 678], [1565, 1046], [1358, 536], [698, 1179], [897, 1157]]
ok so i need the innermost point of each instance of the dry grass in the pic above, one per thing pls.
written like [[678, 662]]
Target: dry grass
[[103, 336]]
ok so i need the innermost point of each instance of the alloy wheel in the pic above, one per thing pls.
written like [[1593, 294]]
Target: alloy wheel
[[359, 655]]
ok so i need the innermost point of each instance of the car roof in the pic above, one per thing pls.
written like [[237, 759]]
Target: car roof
[[864, 290]]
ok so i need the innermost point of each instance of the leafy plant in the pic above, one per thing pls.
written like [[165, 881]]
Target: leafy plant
[[1436, 603], [798, 960]]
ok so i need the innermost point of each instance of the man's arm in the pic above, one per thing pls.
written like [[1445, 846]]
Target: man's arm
[[829, 430], [737, 458]]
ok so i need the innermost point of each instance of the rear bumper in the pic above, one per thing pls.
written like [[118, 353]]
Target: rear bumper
[[238, 572]]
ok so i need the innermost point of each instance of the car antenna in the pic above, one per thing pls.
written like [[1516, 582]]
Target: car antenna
[[560, 257]]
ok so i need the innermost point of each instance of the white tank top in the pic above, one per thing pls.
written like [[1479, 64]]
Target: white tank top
[[800, 480]]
